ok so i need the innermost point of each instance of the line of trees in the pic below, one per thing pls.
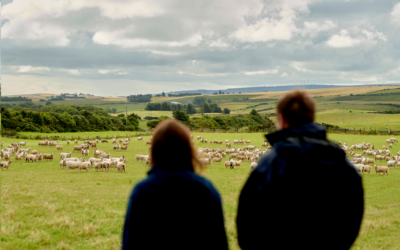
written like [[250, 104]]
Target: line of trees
[[165, 106], [15, 99], [139, 98], [254, 121], [65, 119]]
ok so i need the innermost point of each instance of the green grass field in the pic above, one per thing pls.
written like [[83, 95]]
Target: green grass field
[[360, 119], [44, 207]]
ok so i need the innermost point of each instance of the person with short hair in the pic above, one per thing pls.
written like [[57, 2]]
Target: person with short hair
[[304, 194], [174, 208]]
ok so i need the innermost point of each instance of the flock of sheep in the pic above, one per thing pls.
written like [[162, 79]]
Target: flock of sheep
[[101, 160], [361, 160], [213, 155]]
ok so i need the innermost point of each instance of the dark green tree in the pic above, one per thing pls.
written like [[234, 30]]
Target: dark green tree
[[181, 116], [198, 100], [190, 109], [227, 111]]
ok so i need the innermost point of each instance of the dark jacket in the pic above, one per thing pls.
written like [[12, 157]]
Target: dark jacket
[[174, 210], [304, 194]]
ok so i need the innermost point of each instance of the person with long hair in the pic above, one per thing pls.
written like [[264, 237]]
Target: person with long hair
[[174, 207]]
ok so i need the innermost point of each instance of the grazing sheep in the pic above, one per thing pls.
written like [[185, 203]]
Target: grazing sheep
[[381, 169], [140, 138], [216, 160], [359, 167], [22, 143], [74, 165], [392, 163], [76, 141], [367, 168], [65, 155], [68, 142], [34, 152], [49, 157], [31, 158], [124, 148], [121, 165], [77, 148], [18, 157], [59, 147], [98, 166], [253, 165], [5, 164], [116, 147], [104, 141], [148, 143]]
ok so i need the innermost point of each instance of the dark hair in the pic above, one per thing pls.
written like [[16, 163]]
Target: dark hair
[[297, 107], [172, 147]]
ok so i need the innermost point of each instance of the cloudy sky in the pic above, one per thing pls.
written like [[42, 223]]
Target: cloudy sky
[[110, 47]]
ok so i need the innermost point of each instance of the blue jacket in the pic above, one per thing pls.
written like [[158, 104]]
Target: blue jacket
[[174, 210], [304, 194]]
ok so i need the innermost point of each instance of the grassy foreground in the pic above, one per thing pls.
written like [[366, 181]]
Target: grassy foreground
[[44, 207]]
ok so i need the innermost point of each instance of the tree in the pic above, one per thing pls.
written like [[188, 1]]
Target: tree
[[227, 111], [198, 100], [114, 110], [254, 112], [220, 92], [165, 106], [190, 109], [48, 103], [209, 101], [163, 94], [181, 116], [206, 108]]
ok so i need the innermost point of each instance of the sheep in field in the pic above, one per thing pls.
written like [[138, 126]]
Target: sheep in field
[[31, 158], [367, 168], [68, 142], [49, 157], [253, 165], [59, 147], [381, 169], [98, 166], [124, 148], [5, 164], [392, 163], [140, 138], [104, 141], [116, 147], [359, 167], [22, 143]]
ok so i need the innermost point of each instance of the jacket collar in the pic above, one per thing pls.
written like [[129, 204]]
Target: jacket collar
[[311, 130]]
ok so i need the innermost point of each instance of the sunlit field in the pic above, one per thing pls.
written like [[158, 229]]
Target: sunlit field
[[45, 207]]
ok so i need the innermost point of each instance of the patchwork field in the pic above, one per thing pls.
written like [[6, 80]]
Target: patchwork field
[[44, 207]]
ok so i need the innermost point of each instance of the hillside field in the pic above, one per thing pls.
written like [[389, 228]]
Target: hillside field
[[45, 207]]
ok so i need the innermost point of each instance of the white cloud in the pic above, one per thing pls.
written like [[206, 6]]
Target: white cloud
[[219, 44], [30, 69], [365, 79], [313, 28], [395, 14], [372, 35], [120, 38], [115, 71], [284, 74], [261, 72], [165, 53], [74, 72], [343, 40], [203, 74]]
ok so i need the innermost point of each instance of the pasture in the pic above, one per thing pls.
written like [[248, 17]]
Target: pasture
[[45, 207]]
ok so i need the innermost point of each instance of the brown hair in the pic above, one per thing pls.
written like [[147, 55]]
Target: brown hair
[[172, 148], [297, 107]]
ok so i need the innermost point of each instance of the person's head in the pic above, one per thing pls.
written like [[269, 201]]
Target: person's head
[[295, 108], [172, 148]]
